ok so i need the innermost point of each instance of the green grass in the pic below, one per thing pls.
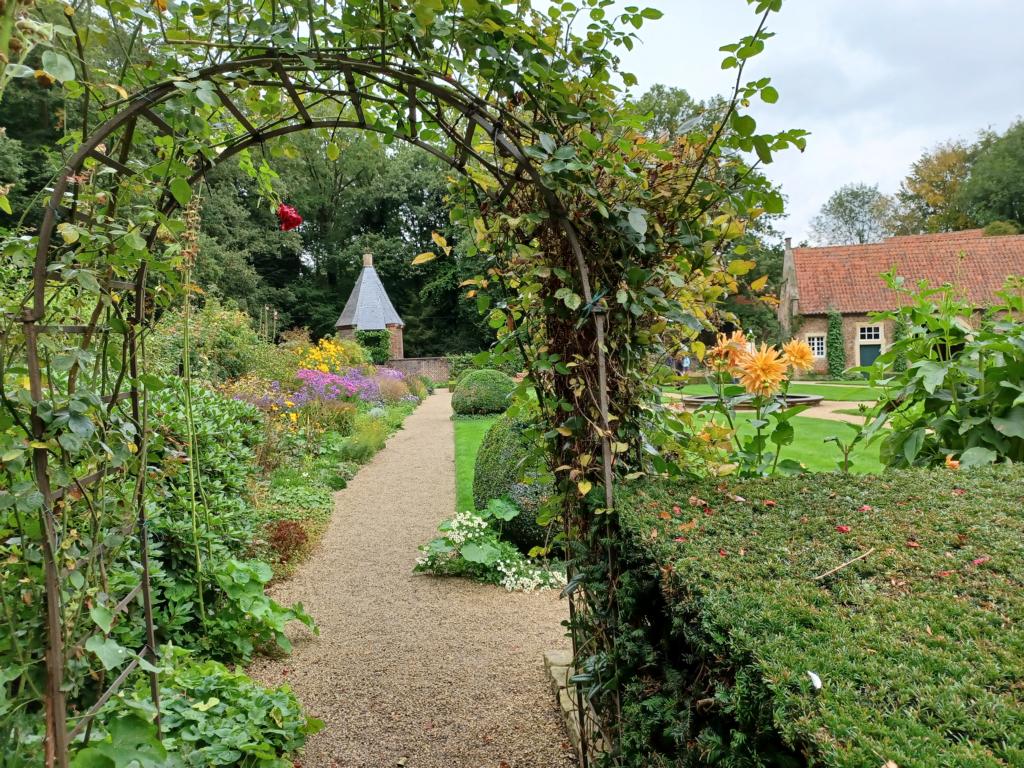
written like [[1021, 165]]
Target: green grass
[[811, 450], [469, 433], [852, 392]]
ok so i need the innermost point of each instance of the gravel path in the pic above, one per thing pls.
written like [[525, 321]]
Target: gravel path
[[413, 670]]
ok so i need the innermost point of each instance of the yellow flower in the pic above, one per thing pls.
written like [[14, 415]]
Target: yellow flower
[[763, 371], [294, 417], [798, 355]]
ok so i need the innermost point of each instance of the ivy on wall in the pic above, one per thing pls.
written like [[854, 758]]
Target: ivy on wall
[[835, 347]]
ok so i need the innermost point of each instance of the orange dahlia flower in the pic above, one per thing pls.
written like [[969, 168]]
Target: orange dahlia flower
[[798, 355], [729, 350], [763, 371]]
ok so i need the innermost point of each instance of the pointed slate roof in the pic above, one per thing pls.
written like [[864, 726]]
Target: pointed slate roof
[[368, 307]]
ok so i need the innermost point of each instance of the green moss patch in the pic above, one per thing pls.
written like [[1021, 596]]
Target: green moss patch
[[917, 635]]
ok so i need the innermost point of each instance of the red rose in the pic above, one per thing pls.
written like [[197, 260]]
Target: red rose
[[288, 216]]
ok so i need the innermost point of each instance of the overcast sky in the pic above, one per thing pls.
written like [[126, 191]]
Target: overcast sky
[[876, 82]]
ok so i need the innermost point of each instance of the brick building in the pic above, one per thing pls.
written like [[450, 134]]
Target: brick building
[[369, 309], [848, 279]]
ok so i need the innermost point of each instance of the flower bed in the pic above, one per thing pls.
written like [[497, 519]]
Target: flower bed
[[842, 622]]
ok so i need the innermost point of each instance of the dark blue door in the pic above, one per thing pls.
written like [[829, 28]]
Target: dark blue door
[[868, 353]]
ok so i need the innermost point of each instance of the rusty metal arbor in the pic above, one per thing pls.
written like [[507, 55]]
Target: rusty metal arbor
[[104, 261]]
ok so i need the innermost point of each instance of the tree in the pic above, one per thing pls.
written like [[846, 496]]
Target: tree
[[929, 198], [674, 112], [995, 189], [854, 214]]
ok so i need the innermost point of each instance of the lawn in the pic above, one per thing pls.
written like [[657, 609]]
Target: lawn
[[469, 433], [846, 392], [810, 449]]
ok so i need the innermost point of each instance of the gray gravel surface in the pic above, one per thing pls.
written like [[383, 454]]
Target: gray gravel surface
[[413, 670]]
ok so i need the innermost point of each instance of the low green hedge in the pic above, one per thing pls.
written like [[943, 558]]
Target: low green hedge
[[919, 645], [482, 392], [503, 462]]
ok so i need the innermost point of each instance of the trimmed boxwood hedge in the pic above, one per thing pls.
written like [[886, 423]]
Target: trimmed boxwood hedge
[[919, 646], [481, 392], [503, 461]]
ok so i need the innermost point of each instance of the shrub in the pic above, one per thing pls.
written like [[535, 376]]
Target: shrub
[[505, 460], [481, 392], [224, 345], [958, 397], [393, 390], [511, 363], [377, 345], [835, 346], [209, 715], [287, 539], [734, 592], [368, 437], [470, 546], [428, 384], [334, 415]]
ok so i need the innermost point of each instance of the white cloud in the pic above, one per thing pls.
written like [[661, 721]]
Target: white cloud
[[875, 81]]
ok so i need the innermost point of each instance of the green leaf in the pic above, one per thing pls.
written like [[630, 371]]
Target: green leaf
[[913, 444], [977, 457], [181, 190], [502, 510], [783, 434], [58, 65], [638, 221], [483, 553], [333, 152], [1012, 424], [931, 374], [744, 125], [769, 95], [109, 652], [104, 618]]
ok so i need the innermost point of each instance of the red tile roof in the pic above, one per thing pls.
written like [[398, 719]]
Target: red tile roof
[[848, 278]]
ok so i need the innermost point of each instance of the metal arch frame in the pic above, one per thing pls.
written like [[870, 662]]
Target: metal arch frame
[[426, 94]]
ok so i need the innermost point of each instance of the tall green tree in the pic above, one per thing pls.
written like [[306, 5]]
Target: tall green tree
[[994, 191], [854, 214]]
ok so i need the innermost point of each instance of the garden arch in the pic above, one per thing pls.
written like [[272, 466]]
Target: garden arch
[[103, 259]]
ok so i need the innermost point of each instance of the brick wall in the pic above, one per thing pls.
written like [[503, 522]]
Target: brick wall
[[435, 368], [817, 325]]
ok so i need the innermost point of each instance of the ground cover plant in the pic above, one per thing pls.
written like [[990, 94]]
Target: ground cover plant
[[839, 622]]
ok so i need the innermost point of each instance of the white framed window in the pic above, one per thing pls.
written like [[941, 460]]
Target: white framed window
[[870, 333], [817, 345]]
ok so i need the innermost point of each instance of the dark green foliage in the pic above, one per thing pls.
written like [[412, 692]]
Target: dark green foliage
[[900, 329], [507, 459], [459, 364], [959, 396], [917, 644], [995, 189], [481, 392], [210, 715], [1000, 228], [377, 345], [835, 346]]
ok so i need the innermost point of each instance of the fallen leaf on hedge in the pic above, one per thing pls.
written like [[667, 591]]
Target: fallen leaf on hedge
[[709, 511], [737, 499], [980, 560], [695, 501], [688, 526], [722, 553], [843, 528], [865, 508], [770, 503], [679, 539], [913, 544], [944, 574], [676, 510], [664, 515], [654, 533], [959, 491]]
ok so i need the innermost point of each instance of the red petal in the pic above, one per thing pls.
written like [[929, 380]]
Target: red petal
[[843, 528], [980, 560], [722, 553], [864, 508]]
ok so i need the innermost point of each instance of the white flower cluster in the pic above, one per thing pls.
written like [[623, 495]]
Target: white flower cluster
[[465, 526], [519, 575]]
